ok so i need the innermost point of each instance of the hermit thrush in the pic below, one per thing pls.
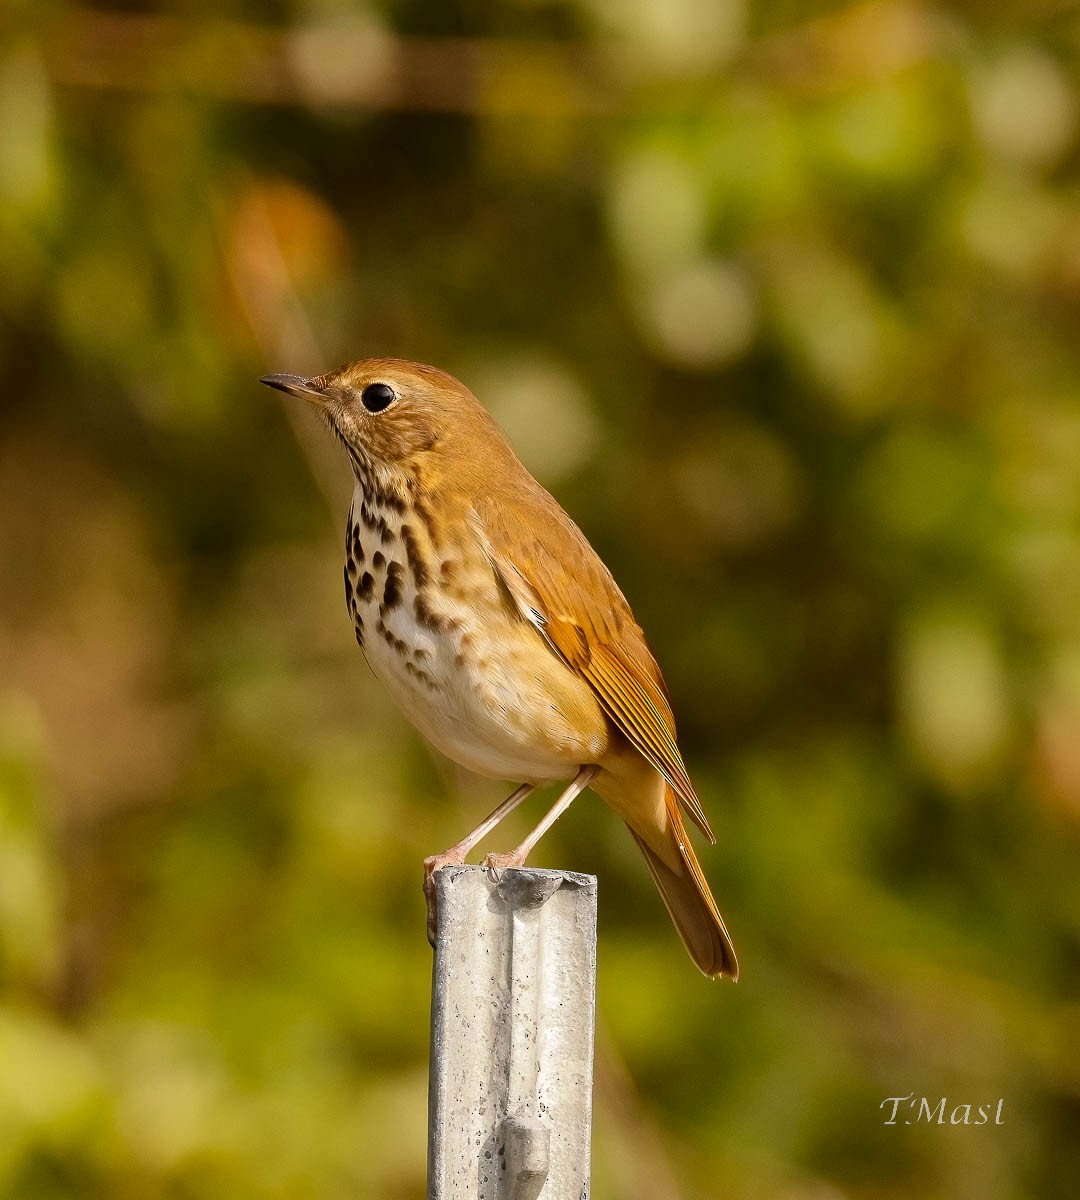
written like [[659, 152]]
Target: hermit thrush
[[497, 629]]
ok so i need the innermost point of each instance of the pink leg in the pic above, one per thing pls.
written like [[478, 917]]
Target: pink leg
[[516, 857], [457, 853]]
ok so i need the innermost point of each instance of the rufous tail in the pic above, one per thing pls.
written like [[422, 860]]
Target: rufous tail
[[689, 900]]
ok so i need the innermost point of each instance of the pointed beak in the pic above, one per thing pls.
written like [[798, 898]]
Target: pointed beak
[[295, 386]]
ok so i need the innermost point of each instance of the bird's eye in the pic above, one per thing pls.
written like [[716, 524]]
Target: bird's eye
[[376, 396]]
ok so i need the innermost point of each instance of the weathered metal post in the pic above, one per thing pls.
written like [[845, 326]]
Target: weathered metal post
[[512, 1016]]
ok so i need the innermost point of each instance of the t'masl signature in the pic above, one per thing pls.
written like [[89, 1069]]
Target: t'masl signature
[[920, 1110]]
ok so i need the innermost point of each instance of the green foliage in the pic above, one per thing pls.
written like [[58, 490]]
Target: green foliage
[[781, 302]]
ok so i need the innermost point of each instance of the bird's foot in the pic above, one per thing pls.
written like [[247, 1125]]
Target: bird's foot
[[454, 857], [496, 863]]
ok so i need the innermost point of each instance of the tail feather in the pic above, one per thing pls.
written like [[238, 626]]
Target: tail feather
[[690, 903]]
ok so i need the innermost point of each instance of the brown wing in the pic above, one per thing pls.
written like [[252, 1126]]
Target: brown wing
[[560, 585]]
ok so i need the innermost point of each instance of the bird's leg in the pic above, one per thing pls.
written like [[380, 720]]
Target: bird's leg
[[456, 854], [495, 863]]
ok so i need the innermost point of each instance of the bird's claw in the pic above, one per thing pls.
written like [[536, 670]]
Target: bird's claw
[[494, 864], [433, 863]]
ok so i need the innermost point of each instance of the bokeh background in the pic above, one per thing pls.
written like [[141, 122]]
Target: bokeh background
[[780, 300]]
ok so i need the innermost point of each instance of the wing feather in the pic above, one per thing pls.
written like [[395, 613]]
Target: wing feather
[[586, 620]]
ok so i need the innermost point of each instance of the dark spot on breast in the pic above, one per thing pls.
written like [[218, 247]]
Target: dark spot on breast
[[427, 518], [357, 547], [414, 557], [358, 629], [448, 568], [430, 619], [394, 642], [376, 522], [422, 676], [365, 587], [348, 585], [378, 560], [359, 466], [391, 597]]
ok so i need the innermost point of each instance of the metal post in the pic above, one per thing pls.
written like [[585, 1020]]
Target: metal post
[[512, 1013]]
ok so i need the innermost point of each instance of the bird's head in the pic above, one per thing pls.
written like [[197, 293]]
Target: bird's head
[[392, 414]]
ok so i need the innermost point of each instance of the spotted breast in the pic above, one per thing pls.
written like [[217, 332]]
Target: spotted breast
[[477, 690]]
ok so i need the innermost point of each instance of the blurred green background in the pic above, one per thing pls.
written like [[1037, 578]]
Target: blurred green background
[[780, 300]]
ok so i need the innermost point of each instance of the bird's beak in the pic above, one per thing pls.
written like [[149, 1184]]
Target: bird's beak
[[295, 386]]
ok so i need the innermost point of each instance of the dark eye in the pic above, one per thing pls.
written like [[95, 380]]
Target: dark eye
[[376, 396]]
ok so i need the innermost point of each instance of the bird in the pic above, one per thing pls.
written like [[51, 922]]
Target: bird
[[500, 633]]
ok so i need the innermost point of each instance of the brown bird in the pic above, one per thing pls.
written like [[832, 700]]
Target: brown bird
[[498, 630]]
